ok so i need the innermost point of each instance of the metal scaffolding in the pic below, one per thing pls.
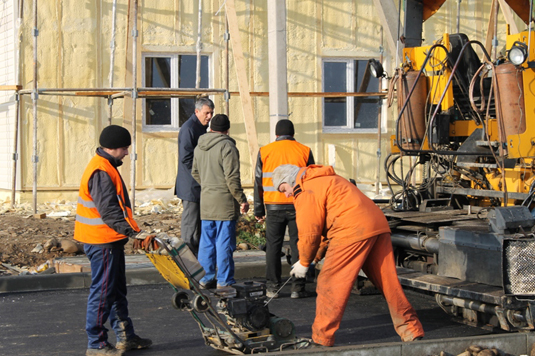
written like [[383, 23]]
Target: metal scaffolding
[[136, 92]]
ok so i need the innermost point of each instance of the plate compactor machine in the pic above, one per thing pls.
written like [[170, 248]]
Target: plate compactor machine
[[235, 319]]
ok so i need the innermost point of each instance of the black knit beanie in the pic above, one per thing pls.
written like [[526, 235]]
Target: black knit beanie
[[220, 123], [284, 127], [114, 136]]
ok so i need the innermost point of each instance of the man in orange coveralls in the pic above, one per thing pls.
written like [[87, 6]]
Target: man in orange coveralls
[[358, 236]]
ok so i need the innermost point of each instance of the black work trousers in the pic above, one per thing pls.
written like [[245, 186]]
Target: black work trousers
[[276, 223], [190, 226]]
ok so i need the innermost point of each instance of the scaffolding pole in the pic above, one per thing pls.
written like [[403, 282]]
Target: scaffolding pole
[[133, 154], [35, 95], [112, 57], [199, 48], [380, 88], [140, 92], [17, 109], [15, 151], [226, 67]]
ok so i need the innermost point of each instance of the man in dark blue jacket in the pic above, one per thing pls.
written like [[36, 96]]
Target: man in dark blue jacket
[[186, 188]]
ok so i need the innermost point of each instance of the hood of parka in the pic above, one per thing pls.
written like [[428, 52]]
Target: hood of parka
[[210, 139]]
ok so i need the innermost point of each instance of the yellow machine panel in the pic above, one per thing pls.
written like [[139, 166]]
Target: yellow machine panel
[[169, 270]]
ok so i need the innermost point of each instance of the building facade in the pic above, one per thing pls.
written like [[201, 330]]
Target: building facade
[[328, 45]]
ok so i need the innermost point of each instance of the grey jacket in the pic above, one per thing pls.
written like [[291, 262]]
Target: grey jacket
[[216, 166]]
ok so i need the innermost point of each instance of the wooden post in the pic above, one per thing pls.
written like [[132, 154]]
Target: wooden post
[[490, 28], [243, 84], [506, 11]]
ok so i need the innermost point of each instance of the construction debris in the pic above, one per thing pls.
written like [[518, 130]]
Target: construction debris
[[476, 350], [28, 240], [71, 246]]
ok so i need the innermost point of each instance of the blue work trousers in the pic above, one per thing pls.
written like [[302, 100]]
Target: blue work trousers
[[218, 243], [107, 296]]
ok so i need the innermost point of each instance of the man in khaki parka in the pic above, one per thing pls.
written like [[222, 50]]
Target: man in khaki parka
[[216, 166]]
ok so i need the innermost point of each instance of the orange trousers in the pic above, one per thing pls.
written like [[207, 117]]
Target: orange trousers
[[338, 274]]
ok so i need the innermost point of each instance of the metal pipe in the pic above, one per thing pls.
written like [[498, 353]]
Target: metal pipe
[[35, 95], [468, 304], [199, 47], [516, 315], [114, 90], [438, 105], [459, 16], [133, 154], [15, 152], [17, 109], [194, 90], [45, 90], [413, 242], [379, 89], [529, 27], [70, 94], [226, 67], [112, 57]]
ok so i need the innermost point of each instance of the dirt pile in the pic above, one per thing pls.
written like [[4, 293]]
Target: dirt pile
[[28, 241]]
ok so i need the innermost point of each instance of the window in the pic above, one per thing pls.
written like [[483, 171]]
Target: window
[[171, 71], [349, 114]]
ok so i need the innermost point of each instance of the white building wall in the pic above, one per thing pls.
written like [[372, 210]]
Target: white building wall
[[7, 98]]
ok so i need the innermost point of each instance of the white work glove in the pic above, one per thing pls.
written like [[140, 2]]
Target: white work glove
[[298, 270]]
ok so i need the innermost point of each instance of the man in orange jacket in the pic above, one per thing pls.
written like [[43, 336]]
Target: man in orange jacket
[[104, 223], [359, 238]]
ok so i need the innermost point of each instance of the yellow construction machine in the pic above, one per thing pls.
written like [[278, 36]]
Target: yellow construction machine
[[462, 171]]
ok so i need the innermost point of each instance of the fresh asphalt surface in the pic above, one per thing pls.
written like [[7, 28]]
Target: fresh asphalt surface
[[53, 323]]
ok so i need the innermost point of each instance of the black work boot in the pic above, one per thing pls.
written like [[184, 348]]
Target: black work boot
[[134, 343], [301, 294], [108, 350]]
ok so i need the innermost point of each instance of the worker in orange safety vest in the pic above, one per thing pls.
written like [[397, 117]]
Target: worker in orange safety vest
[[104, 223], [358, 235], [276, 209]]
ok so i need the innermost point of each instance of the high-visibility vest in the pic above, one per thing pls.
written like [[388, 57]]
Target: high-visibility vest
[[89, 226], [274, 155]]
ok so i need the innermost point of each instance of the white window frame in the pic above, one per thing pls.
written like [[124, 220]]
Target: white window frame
[[174, 126], [350, 100]]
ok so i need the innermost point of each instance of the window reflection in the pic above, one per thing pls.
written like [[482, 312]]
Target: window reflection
[[350, 112], [174, 71]]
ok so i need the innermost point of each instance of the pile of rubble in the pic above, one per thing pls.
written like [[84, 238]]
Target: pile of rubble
[[475, 350], [147, 202], [32, 242]]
